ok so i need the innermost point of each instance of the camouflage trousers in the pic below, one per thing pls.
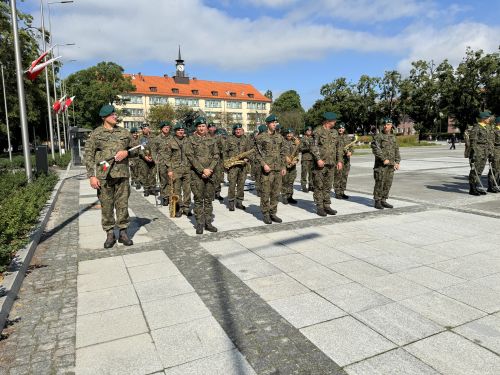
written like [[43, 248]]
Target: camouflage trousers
[[383, 176], [203, 194], [287, 183], [236, 176], [218, 177], [134, 171], [480, 159], [494, 173], [162, 174], [306, 173], [270, 184], [113, 195], [323, 180], [182, 188], [147, 174], [340, 179], [257, 173]]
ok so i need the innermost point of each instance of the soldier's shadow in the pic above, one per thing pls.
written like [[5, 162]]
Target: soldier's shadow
[[457, 187], [255, 211], [135, 225]]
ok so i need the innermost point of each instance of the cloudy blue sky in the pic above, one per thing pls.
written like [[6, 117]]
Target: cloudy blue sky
[[272, 44]]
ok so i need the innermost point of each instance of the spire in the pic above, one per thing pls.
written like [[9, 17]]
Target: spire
[[179, 58]]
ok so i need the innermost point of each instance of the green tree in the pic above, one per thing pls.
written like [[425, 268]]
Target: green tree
[[289, 110], [269, 94], [389, 103], [364, 101], [159, 113], [95, 86]]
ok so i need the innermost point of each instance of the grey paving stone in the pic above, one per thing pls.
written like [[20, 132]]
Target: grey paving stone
[[354, 297], [475, 295], [392, 263], [103, 280], [492, 281], [395, 362], [230, 362], [141, 259], [174, 310], [190, 341], [318, 277], [484, 331], [271, 250], [153, 271], [394, 287], [470, 267], [358, 270], [276, 286], [161, 288], [131, 355], [450, 354], [101, 265], [398, 323], [430, 277], [109, 325], [252, 270], [306, 309], [106, 299], [345, 340], [327, 257], [361, 250], [442, 310], [293, 262]]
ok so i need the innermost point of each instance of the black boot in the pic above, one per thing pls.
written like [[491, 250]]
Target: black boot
[[137, 186], [385, 204], [275, 218], [165, 201], [188, 213], [330, 211], [210, 228], [292, 201], [178, 213], [345, 196], [284, 200], [321, 211], [146, 193], [473, 190], [304, 189], [311, 188], [199, 228], [267, 219], [378, 205], [492, 190], [123, 238], [110, 239], [338, 195], [240, 206], [230, 205], [218, 196]]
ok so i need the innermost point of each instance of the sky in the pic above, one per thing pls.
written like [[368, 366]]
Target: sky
[[278, 45]]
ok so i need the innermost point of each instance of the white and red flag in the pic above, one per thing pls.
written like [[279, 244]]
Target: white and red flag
[[37, 66], [68, 102], [59, 104]]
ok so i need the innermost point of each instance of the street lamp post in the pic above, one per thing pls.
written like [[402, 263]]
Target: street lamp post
[[6, 116]]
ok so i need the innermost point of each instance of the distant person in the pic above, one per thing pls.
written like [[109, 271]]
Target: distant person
[[106, 160], [453, 139]]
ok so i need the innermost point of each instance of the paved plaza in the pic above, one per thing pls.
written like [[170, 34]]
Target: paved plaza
[[412, 290]]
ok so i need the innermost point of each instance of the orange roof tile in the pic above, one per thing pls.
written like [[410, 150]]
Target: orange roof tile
[[164, 86]]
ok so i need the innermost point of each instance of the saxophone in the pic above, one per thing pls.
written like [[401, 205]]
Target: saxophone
[[174, 198], [347, 146], [293, 159], [237, 159]]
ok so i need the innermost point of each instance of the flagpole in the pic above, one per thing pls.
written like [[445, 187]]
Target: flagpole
[[49, 109], [6, 116], [20, 94]]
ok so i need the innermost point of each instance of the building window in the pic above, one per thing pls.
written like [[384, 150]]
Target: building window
[[232, 93], [186, 101], [195, 92], [233, 105], [132, 124], [250, 95], [175, 90], [211, 114], [256, 105], [237, 116], [132, 99], [158, 100], [153, 89], [215, 93], [213, 104], [135, 112]]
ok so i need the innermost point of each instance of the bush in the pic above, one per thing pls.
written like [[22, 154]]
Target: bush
[[403, 141], [19, 210], [63, 160]]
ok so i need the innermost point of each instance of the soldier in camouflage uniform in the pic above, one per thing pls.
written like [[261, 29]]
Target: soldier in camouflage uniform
[[271, 156], [133, 163], [256, 164], [106, 161], [159, 146], [179, 169], [235, 145], [340, 179], [291, 146], [481, 148], [147, 166], [494, 173], [386, 150], [219, 169], [327, 156], [202, 153], [307, 160]]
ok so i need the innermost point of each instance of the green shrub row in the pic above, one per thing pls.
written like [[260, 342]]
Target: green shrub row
[[61, 160], [19, 211]]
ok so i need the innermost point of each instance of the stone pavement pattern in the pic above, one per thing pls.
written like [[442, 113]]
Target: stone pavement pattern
[[414, 290]]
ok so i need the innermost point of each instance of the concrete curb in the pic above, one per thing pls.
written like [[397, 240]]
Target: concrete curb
[[13, 279]]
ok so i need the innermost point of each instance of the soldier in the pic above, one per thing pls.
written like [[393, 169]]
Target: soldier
[[271, 156], [257, 168], [291, 146], [328, 156], [133, 163], [480, 150], [340, 180], [494, 173], [306, 160], [202, 153], [219, 169], [146, 162], [106, 162], [174, 158], [386, 150], [236, 174], [159, 146]]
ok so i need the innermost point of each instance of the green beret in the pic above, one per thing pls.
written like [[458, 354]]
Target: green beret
[[329, 116], [271, 118], [309, 127], [165, 123], [497, 120], [221, 131], [237, 126], [288, 131], [145, 125], [262, 128], [485, 114], [106, 110], [200, 120], [340, 125], [179, 126], [387, 120], [133, 130]]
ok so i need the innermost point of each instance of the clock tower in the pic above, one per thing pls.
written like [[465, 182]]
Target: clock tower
[[180, 74]]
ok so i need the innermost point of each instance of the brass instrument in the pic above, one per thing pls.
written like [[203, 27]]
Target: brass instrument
[[174, 198], [293, 159], [237, 159], [347, 146]]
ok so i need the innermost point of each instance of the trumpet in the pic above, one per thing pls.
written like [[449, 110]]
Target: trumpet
[[174, 198]]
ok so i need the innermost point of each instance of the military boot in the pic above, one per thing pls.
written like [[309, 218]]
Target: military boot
[[378, 205], [338, 195], [137, 186], [230, 205], [146, 193], [284, 199], [267, 219], [123, 238], [345, 196], [275, 218], [188, 213], [473, 190], [218, 196], [492, 190], [385, 204], [199, 228], [178, 213], [210, 227], [165, 201], [304, 189], [292, 201], [240, 206], [330, 211], [320, 211], [110, 239]]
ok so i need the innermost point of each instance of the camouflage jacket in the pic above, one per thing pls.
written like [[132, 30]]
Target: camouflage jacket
[[270, 151], [202, 152], [173, 155], [236, 145], [385, 147], [158, 145], [148, 143], [325, 146], [291, 151], [306, 147], [134, 142], [343, 141], [481, 138], [496, 132], [101, 146]]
